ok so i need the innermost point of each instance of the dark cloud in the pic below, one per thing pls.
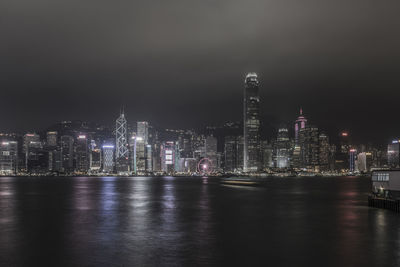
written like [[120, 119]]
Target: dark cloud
[[183, 62]]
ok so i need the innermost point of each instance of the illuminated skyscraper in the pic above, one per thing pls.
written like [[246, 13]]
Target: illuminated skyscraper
[[324, 151], [8, 157], [81, 154], [251, 123], [393, 152], [67, 153], [108, 158], [51, 139], [121, 153], [121, 137], [299, 124], [168, 158], [352, 159], [211, 151], [282, 148], [143, 131], [309, 144]]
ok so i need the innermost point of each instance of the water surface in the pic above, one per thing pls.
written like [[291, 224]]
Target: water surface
[[167, 221]]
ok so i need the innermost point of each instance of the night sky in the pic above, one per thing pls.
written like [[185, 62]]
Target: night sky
[[182, 63]]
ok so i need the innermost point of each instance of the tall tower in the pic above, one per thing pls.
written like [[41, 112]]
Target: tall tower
[[299, 124], [251, 124], [121, 137]]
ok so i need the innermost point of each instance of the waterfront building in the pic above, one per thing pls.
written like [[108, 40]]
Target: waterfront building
[[251, 123], [362, 162], [309, 143], [121, 141], [94, 157], [108, 158], [300, 123], [51, 139], [230, 153], [81, 154], [352, 160], [211, 151], [31, 142], [67, 153], [8, 157], [140, 154], [143, 131], [168, 157], [324, 151], [282, 149], [149, 158], [393, 154], [267, 155]]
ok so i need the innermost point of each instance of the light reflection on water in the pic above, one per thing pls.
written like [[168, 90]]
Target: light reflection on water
[[164, 221]]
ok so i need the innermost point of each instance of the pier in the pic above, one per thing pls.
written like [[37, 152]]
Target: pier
[[384, 203]]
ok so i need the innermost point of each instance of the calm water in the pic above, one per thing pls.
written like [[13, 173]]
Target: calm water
[[193, 221]]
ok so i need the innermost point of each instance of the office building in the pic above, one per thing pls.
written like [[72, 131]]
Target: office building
[[251, 123]]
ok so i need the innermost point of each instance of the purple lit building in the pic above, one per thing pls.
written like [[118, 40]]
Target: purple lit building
[[299, 124]]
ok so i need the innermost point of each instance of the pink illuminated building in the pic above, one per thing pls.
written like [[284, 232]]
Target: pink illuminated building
[[299, 124]]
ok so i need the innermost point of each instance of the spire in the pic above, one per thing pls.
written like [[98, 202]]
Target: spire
[[301, 111]]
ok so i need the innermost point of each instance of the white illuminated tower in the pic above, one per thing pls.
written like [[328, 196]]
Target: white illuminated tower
[[251, 123], [121, 137]]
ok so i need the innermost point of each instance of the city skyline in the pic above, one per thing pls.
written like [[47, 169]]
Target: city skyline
[[76, 148], [66, 63]]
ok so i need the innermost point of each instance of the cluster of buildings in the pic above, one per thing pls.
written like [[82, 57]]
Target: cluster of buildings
[[79, 148]]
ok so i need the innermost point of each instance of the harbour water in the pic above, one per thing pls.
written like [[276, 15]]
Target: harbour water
[[187, 221]]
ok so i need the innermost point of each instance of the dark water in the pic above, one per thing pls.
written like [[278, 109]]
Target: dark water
[[193, 221]]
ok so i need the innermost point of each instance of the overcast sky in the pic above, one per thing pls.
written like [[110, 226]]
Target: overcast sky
[[182, 63]]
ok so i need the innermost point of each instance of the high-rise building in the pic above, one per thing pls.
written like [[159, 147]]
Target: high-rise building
[[149, 158], [108, 158], [51, 139], [300, 123], [94, 157], [352, 160], [309, 144], [140, 154], [121, 153], [342, 152], [211, 151], [31, 144], [282, 149], [232, 151], [324, 151], [143, 131], [8, 157], [81, 154], [267, 155], [393, 151], [67, 153], [251, 123], [168, 157]]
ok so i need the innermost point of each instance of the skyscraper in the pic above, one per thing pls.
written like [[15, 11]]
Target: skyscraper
[[393, 154], [108, 158], [81, 154], [211, 151], [324, 151], [121, 153], [143, 131], [282, 148], [8, 157], [51, 139], [251, 124], [309, 144], [300, 123], [67, 153]]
